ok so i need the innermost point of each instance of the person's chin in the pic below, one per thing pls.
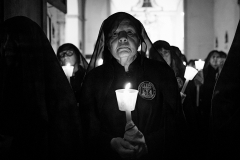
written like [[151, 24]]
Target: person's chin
[[124, 54]]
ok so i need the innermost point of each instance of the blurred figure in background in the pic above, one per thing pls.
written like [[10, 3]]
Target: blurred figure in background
[[178, 64], [178, 52], [225, 111], [163, 49], [210, 71], [221, 61], [192, 114], [70, 54], [38, 109], [172, 59]]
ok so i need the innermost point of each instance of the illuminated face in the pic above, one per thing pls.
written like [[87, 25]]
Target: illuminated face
[[214, 60], [124, 41], [166, 55], [68, 57]]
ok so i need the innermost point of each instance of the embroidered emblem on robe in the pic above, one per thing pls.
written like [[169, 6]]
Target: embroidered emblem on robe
[[146, 90]]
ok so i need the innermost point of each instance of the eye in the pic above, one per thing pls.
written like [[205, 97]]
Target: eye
[[130, 33], [115, 34]]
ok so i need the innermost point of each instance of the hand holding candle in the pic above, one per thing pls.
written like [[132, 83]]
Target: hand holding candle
[[126, 99], [136, 138], [199, 66]]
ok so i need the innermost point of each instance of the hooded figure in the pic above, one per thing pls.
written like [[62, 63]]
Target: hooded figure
[[68, 53], [225, 109], [169, 55], [38, 109], [153, 132]]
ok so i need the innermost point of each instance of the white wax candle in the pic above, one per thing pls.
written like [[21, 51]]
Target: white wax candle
[[126, 99], [68, 70], [190, 72], [199, 64]]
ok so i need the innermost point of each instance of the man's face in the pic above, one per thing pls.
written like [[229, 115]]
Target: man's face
[[124, 41], [214, 60], [166, 55], [68, 57], [9, 48], [221, 61]]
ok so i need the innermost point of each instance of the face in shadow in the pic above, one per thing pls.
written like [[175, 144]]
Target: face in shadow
[[9, 51], [214, 60]]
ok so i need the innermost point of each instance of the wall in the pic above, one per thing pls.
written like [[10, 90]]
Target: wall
[[55, 26], [226, 17], [33, 9], [199, 30], [96, 13], [73, 26], [29, 8]]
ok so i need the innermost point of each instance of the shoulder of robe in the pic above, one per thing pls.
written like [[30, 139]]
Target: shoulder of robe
[[157, 66], [104, 71]]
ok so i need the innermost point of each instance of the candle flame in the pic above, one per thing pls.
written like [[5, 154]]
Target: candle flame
[[68, 64], [100, 62], [127, 86]]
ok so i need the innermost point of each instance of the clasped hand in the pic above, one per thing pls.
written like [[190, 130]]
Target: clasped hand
[[126, 150]]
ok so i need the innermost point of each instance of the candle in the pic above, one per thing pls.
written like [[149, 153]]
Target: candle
[[68, 70], [190, 72], [199, 64], [99, 62], [126, 99], [197, 99]]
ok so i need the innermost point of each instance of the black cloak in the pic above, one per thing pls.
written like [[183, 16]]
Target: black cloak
[[38, 108], [225, 109]]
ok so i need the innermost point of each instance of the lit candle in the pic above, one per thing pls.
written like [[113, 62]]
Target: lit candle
[[99, 62], [199, 64], [190, 72], [68, 70], [126, 99]]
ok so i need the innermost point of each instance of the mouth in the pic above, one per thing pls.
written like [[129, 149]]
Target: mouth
[[123, 48]]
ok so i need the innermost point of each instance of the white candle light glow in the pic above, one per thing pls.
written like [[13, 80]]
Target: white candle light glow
[[126, 99], [99, 62], [68, 70], [199, 64], [190, 72]]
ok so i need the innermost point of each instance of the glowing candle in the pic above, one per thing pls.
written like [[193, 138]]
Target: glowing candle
[[99, 62], [126, 99], [199, 64], [190, 72], [68, 70]]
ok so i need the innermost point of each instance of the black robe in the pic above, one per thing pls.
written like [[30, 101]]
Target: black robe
[[158, 116], [225, 110], [38, 108]]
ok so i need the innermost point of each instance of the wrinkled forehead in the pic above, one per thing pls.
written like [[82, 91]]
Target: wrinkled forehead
[[114, 21], [126, 23]]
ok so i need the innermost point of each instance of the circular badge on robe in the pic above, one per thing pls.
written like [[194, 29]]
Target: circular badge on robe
[[146, 90]]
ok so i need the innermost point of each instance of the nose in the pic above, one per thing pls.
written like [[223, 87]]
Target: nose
[[122, 37]]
